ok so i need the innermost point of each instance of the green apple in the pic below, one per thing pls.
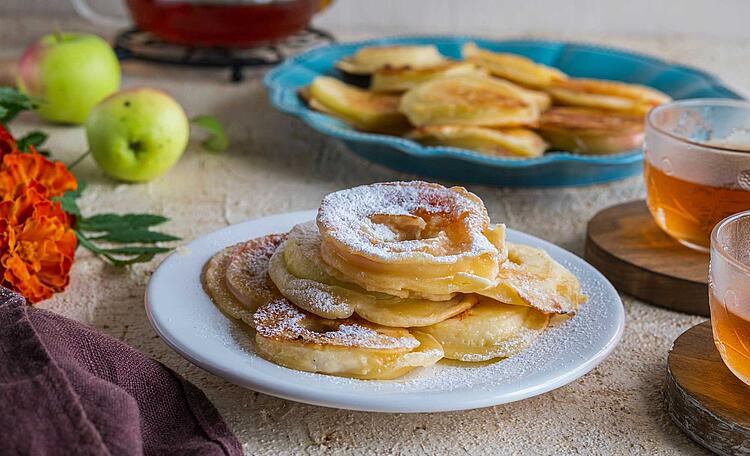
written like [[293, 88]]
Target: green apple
[[137, 134], [69, 73]]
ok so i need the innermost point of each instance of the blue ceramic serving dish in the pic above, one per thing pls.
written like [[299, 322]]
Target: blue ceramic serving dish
[[552, 169]]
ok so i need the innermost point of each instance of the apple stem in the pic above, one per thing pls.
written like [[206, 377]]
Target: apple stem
[[78, 160], [58, 36]]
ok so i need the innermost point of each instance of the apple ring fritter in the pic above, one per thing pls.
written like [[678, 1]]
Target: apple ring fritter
[[609, 95], [411, 239], [214, 283], [530, 277], [292, 338], [489, 330], [247, 272], [591, 131], [326, 300], [367, 60], [472, 100], [363, 109], [304, 279], [513, 67], [396, 80], [501, 142]]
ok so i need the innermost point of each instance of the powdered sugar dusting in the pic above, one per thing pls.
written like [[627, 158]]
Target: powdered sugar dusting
[[317, 298], [502, 348], [561, 347], [215, 286], [281, 320], [247, 272], [539, 280], [313, 296], [562, 353], [306, 238], [347, 216]]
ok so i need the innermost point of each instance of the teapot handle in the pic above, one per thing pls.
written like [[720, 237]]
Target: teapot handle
[[85, 11]]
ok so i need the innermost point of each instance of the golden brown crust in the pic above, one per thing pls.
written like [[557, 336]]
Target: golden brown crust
[[609, 95], [472, 100], [591, 131], [369, 59], [593, 120], [410, 239], [247, 272], [504, 142], [513, 67], [280, 320], [489, 330], [212, 279], [530, 277]]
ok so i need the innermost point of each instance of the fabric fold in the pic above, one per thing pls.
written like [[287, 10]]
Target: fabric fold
[[66, 388]]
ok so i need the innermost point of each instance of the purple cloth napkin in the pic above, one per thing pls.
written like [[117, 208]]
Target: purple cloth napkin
[[68, 389]]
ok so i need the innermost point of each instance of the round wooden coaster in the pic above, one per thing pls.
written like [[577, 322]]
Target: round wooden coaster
[[627, 246], [702, 396]]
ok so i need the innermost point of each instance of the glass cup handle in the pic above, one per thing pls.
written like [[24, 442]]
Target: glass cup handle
[[85, 11]]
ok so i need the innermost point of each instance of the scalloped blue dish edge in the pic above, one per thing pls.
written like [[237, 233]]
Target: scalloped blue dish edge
[[328, 125]]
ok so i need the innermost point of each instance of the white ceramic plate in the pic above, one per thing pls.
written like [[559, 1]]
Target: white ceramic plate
[[185, 318]]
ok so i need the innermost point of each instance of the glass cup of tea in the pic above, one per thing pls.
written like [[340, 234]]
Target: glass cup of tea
[[697, 166], [729, 292]]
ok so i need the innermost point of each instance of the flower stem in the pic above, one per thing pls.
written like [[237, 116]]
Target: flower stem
[[78, 160]]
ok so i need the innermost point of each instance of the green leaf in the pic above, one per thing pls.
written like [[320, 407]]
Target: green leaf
[[68, 200], [87, 244], [84, 241], [34, 138], [12, 102], [108, 254], [138, 235], [69, 205], [12, 96], [115, 222], [82, 185], [217, 140], [137, 250], [118, 229]]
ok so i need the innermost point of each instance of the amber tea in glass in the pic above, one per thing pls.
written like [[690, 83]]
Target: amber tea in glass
[[729, 292], [697, 166]]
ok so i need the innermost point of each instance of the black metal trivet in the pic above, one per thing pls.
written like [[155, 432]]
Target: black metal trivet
[[140, 45]]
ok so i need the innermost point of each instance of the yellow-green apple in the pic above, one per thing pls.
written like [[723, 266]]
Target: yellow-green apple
[[69, 73], [137, 134]]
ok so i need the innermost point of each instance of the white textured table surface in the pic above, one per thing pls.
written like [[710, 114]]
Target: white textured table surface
[[277, 164]]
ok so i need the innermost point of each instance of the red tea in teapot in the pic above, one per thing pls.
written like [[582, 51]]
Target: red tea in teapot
[[228, 23]]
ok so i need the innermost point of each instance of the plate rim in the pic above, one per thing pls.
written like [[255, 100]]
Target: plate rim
[[330, 126], [408, 402]]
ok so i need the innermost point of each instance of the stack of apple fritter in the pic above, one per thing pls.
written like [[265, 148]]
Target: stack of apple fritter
[[391, 277], [492, 103]]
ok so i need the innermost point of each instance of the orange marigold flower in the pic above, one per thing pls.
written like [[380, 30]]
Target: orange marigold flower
[[37, 243], [7, 143], [18, 169]]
